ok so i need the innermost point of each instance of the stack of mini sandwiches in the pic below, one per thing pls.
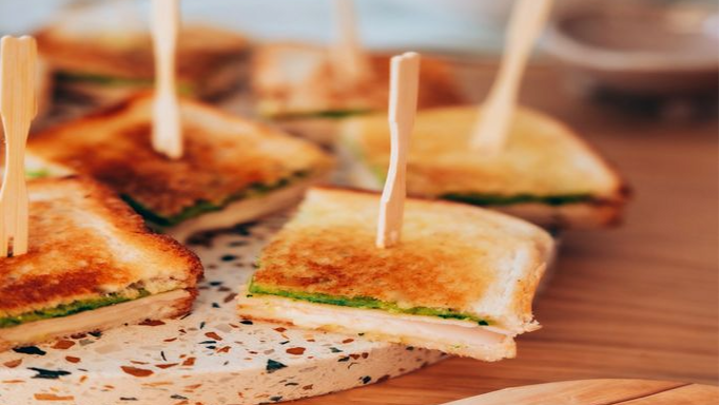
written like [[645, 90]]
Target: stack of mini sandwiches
[[460, 280], [92, 263], [75, 257], [475, 238]]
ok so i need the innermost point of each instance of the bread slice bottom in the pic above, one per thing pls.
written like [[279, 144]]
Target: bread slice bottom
[[158, 306], [245, 210], [456, 337]]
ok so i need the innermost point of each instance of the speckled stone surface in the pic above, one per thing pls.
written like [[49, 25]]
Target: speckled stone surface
[[210, 357]]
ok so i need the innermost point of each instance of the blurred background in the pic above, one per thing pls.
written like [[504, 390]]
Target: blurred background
[[637, 78], [454, 25]]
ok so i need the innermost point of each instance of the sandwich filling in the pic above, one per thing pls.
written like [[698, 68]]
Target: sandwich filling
[[202, 207], [184, 88], [157, 306], [329, 114], [499, 199], [449, 335], [73, 307], [366, 303]]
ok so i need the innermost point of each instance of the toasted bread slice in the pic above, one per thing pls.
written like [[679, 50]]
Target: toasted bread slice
[[116, 55], [546, 173], [295, 85], [226, 159], [87, 250], [457, 266]]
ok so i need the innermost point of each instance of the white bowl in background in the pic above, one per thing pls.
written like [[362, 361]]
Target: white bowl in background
[[638, 47]]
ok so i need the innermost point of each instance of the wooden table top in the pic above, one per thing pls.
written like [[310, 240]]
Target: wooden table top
[[639, 301]]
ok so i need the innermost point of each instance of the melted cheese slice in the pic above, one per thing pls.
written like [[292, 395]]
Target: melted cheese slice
[[448, 335], [156, 306], [245, 210]]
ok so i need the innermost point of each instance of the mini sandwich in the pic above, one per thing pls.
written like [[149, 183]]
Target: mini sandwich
[[545, 174], [104, 55], [91, 265], [296, 86], [461, 281], [232, 170]]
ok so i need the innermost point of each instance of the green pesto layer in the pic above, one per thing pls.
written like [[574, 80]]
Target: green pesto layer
[[202, 207], [185, 89], [486, 199], [37, 173], [365, 303], [328, 114], [70, 309]]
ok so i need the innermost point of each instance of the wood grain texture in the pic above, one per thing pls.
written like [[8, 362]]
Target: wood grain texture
[[638, 301], [599, 392], [401, 118], [693, 394]]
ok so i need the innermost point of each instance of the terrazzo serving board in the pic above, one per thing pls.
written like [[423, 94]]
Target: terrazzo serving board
[[210, 357]]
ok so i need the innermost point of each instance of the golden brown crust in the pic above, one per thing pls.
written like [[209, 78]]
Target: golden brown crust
[[223, 155], [201, 50], [284, 94], [85, 242], [452, 256], [543, 157]]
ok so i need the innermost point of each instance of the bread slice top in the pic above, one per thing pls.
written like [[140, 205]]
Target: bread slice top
[[296, 80], [452, 257], [223, 155], [542, 156], [85, 243], [79, 47]]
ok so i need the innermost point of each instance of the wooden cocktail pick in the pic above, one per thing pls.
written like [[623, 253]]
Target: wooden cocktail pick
[[18, 106], [349, 62], [527, 21], [404, 76], [166, 130], [599, 391]]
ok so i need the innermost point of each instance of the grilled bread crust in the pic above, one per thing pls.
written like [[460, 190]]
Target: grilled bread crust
[[542, 158], [294, 79], [201, 50], [85, 242], [452, 256], [223, 155]]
